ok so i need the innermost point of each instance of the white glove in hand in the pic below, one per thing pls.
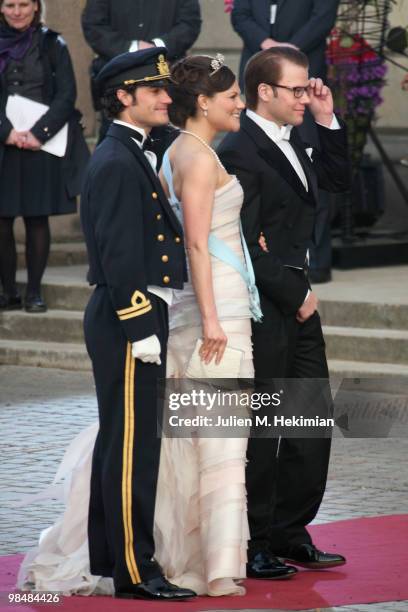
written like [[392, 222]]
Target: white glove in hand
[[147, 350]]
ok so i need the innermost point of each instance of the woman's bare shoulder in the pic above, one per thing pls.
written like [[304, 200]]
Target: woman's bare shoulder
[[192, 158]]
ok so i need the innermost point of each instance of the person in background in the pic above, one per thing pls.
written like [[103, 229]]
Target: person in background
[[35, 64], [112, 27], [263, 24]]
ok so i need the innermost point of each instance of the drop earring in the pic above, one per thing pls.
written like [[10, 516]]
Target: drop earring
[[205, 112]]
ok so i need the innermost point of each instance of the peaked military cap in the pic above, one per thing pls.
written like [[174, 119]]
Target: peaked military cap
[[147, 67]]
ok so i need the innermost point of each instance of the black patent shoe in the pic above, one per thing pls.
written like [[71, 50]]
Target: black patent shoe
[[10, 302], [265, 566], [157, 588], [310, 557], [34, 303]]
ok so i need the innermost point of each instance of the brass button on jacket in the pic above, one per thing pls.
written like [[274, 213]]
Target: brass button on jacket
[[165, 258], [154, 195], [177, 239], [166, 279], [160, 237], [158, 217]]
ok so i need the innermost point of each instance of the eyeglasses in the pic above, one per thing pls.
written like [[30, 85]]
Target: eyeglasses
[[298, 92]]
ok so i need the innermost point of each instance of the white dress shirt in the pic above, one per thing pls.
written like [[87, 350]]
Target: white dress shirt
[[149, 154], [134, 45], [281, 137], [165, 293]]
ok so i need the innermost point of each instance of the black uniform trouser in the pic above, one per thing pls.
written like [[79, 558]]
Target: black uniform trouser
[[286, 477], [127, 450]]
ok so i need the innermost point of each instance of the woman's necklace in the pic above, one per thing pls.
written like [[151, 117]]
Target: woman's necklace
[[206, 145]]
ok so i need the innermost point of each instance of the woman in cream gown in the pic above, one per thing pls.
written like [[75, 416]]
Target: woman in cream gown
[[201, 527]]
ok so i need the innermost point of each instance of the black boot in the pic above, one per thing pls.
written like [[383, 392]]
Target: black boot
[[10, 302]]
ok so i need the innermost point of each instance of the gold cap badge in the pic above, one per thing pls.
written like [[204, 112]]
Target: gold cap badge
[[162, 66]]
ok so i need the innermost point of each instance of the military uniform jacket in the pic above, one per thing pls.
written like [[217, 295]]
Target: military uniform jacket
[[132, 235], [277, 204]]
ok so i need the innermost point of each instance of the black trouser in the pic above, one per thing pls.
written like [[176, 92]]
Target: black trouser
[[127, 450], [286, 477]]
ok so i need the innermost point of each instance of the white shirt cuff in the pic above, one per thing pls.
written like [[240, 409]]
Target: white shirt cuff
[[134, 46], [335, 125], [158, 42], [307, 295]]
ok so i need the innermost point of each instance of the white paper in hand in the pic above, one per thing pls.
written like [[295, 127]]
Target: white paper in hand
[[23, 113]]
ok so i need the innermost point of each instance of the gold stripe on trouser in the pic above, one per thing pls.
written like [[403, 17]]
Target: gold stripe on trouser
[[127, 467]]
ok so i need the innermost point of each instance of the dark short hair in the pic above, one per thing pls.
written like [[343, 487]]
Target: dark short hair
[[38, 17], [111, 105], [191, 77], [266, 67]]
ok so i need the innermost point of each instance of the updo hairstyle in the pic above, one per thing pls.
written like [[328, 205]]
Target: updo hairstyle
[[191, 77]]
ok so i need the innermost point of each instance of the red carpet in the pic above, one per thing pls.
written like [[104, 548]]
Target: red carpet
[[376, 549]]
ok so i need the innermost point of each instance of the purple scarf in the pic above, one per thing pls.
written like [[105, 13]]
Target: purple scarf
[[13, 44]]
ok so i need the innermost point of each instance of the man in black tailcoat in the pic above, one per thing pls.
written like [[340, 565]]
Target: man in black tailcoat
[[286, 478], [136, 255], [306, 24]]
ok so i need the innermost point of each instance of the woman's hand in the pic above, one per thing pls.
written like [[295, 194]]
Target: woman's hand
[[16, 139], [31, 142], [214, 342]]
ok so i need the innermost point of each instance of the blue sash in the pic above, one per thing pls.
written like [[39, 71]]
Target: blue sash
[[219, 249]]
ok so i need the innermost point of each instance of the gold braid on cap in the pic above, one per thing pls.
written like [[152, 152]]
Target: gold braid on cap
[[217, 63]]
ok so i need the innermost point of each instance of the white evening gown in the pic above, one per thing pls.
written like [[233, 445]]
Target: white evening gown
[[201, 529]]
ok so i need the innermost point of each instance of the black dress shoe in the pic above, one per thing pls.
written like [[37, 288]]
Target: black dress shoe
[[34, 303], [157, 588], [319, 275], [267, 567], [307, 555], [10, 302]]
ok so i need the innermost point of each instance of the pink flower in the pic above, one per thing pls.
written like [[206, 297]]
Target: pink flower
[[228, 5]]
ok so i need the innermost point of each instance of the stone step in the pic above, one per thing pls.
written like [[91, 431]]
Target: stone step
[[74, 294], [344, 344], [67, 297], [73, 356], [61, 254], [367, 345], [363, 314], [64, 356], [56, 325], [362, 369]]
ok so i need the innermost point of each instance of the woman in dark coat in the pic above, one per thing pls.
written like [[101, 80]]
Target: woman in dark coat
[[35, 64]]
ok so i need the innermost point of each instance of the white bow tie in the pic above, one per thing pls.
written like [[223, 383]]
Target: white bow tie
[[284, 133]]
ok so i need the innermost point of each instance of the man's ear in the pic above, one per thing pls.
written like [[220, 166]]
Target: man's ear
[[124, 97], [264, 92]]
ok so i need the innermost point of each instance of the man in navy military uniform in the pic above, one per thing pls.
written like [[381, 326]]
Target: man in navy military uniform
[[136, 256]]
